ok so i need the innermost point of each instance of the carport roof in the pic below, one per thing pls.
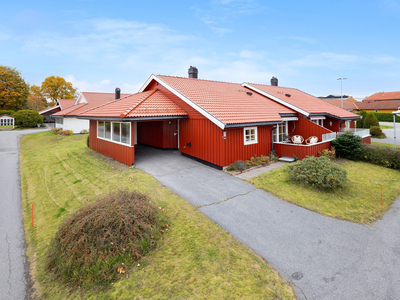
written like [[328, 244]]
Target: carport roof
[[152, 103]]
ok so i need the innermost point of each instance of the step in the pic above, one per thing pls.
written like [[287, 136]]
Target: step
[[286, 158]]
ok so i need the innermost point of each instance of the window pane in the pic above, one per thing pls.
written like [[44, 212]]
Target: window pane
[[125, 133], [107, 130], [115, 136], [100, 129]]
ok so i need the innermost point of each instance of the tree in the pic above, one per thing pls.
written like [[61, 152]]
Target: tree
[[13, 89], [57, 88], [370, 120], [36, 100]]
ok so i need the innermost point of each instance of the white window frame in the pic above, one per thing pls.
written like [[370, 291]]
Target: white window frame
[[250, 142], [278, 132], [112, 132]]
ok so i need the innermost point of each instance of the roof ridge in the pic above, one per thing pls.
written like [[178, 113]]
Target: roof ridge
[[111, 101], [198, 79], [129, 109]]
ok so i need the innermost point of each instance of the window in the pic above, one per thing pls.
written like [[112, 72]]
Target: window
[[59, 121], [115, 132], [100, 129], [250, 135], [319, 122], [281, 132]]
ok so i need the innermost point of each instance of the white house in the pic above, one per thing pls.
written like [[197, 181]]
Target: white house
[[6, 120]]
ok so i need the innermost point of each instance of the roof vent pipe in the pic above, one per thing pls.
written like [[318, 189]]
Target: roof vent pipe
[[193, 72], [274, 81], [117, 93]]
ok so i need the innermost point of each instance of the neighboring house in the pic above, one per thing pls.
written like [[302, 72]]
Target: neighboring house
[[67, 118], [348, 104], [381, 102], [7, 120], [60, 105], [212, 121]]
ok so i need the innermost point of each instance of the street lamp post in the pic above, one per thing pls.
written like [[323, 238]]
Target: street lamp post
[[341, 88], [397, 112]]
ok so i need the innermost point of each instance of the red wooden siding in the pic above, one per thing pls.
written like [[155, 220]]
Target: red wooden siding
[[366, 140], [307, 128], [158, 134], [124, 154], [336, 124], [193, 114], [290, 150], [207, 142]]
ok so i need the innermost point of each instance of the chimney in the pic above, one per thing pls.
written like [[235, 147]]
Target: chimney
[[193, 72], [117, 93], [274, 81]]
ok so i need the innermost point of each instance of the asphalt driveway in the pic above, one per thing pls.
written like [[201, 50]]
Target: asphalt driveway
[[13, 269], [324, 258]]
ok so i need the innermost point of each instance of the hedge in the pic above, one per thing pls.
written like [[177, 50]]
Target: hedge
[[381, 155]]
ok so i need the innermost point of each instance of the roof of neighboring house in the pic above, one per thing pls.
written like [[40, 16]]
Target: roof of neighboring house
[[301, 101], [93, 100], [152, 103], [379, 105], [7, 116], [383, 96], [347, 104], [223, 102]]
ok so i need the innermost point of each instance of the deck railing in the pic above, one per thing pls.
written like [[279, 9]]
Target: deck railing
[[357, 131]]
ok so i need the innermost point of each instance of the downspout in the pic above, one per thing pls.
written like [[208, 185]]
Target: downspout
[[272, 139]]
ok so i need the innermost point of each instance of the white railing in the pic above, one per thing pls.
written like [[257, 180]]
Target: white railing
[[362, 132], [328, 136]]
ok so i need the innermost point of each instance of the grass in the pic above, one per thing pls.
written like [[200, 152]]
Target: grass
[[196, 259], [359, 201], [382, 144], [385, 126], [6, 126]]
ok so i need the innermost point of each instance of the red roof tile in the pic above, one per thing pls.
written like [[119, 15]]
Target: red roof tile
[[151, 103], [65, 103], [383, 96], [379, 105], [228, 102], [93, 100], [347, 104], [304, 101]]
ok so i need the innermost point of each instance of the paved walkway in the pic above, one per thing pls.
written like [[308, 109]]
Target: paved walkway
[[325, 258], [13, 269], [389, 134]]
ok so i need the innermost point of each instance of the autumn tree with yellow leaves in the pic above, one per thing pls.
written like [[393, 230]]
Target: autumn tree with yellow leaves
[[13, 89], [54, 88], [36, 101]]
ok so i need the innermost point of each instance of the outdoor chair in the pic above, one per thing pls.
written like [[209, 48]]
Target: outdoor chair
[[311, 140], [297, 139]]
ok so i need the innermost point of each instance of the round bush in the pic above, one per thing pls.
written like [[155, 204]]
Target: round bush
[[348, 145], [370, 120], [319, 172], [28, 118], [376, 132], [101, 237]]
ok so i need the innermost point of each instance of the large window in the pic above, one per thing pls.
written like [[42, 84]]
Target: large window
[[250, 135], [114, 131], [281, 132]]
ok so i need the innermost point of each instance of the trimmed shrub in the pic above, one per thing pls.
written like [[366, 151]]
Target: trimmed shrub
[[66, 132], [370, 120], [102, 239], [27, 118], [348, 145], [84, 131], [386, 117], [87, 140], [238, 165], [7, 112], [381, 155], [360, 122], [376, 132], [318, 172], [56, 130]]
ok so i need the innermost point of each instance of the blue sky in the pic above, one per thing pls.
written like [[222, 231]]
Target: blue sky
[[100, 45]]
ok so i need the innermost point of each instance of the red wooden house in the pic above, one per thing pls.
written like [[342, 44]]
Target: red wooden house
[[214, 122]]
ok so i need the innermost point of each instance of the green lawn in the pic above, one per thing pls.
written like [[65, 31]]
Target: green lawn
[[196, 259], [6, 126], [384, 144], [385, 126], [359, 201]]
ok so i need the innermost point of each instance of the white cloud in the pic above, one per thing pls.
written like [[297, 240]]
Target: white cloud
[[87, 86]]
